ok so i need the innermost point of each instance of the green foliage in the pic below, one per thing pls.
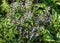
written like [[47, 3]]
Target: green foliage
[[8, 31], [33, 21], [5, 6]]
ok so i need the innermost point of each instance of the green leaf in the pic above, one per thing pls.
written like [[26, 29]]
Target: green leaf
[[58, 3], [58, 35]]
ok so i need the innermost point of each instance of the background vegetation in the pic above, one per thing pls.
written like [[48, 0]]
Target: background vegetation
[[29, 21]]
